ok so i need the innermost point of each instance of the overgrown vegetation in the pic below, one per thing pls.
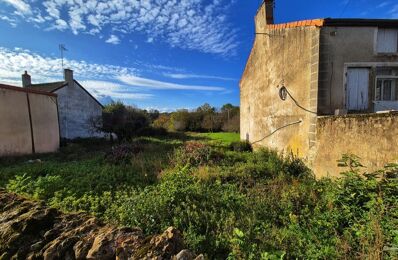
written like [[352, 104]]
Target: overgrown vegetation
[[203, 119], [228, 201]]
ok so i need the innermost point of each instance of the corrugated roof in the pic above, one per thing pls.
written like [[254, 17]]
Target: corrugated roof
[[49, 87]]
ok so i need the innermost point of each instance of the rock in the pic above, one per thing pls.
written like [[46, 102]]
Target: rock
[[30, 230], [185, 255], [200, 257]]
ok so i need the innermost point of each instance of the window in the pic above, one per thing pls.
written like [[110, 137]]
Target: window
[[386, 89], [387, 40]]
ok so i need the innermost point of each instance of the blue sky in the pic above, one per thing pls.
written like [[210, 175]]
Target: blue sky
[[162, 54]]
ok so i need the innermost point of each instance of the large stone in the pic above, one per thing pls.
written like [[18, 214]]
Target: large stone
[[30, 230]]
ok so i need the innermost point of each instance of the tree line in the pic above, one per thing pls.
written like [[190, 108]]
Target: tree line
[[203, 119], [127, 121]]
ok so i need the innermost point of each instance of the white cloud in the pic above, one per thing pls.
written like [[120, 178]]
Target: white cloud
[[194, 76], [113, 39], [102, 80], [114, 90], [383, 4], [155, 84], [20, 5], [11, 21], [97, 78], [200, 25]]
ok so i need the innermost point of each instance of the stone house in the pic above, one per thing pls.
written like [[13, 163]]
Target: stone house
[[323, 88], [77, 108]]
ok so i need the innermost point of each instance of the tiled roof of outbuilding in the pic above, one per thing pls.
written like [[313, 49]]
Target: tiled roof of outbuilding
[[49, 87]]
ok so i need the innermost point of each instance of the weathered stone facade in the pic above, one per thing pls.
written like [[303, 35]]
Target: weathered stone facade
[[77, 109], [311, 59], [371, 137], [280, 57]]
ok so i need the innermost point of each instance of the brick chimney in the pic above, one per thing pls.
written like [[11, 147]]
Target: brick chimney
[[68, 77], [265, 15], [26, 80]]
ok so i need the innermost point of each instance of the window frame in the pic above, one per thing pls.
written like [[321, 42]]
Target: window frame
[[393, 91], [376, 41]]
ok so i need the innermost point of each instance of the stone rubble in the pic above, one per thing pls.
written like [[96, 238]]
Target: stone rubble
[[30, 230]]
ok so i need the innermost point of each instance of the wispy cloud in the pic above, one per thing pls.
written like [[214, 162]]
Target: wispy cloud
[[97, 78], [101, 80], [200, 25], [114, 90], [155, 84], [20, 5], [383, 4], [194, 76], [113, 39]]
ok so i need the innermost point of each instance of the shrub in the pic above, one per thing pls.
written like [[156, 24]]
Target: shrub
[[242, 146], [43, 187], [123, 120], [193, 153], [152, 131], [205, 212], [122, 153]]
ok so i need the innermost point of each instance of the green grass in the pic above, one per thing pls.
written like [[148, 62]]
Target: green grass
[[228, 204], [223, 138]]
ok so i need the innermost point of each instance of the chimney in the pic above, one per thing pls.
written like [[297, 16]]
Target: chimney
[[68, 76], [269, 11], [26, 80], [265, 15]]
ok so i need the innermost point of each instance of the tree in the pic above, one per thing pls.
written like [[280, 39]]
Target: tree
[[163, 121], [123, 120], [180, 120]]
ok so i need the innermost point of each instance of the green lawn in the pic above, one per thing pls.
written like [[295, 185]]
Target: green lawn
[[224, 138]]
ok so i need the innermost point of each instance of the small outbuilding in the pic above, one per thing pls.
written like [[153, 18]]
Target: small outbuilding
[[77, 108], [28, 121]]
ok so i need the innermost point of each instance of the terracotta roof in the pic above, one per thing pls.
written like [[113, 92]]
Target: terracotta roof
[[49, 87], [340, 22], [314, 22], [27, 90]]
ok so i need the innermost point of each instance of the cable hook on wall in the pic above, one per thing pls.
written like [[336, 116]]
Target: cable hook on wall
[[283, 93]]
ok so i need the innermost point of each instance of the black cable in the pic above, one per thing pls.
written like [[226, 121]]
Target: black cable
[[270, 35], [276, 130], [297, 103], [345, 7]]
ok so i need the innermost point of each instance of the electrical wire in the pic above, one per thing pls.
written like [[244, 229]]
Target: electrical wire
[[276, 130], [345, 7], [297, 103]]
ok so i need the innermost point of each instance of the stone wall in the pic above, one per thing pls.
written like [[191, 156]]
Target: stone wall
[[76, 111], [27, 115], [280, 57], [372, 137]]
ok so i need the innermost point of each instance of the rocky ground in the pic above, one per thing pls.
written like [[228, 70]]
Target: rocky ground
[[30, 230]]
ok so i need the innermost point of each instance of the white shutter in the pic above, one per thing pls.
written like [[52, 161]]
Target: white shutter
[[357, 88], [387, 41]]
